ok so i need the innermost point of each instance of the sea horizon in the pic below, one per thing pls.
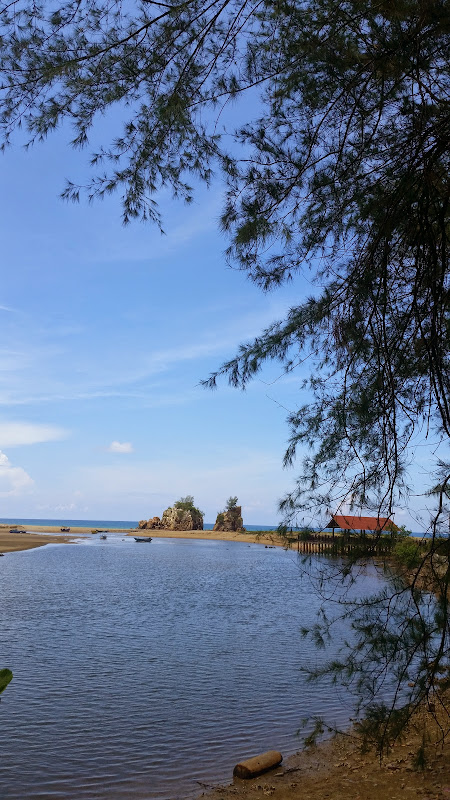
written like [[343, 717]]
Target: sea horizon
[[104, 523]]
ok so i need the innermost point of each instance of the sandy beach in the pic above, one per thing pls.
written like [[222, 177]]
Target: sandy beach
[[13, 542], [39, 535], [55, 529], [267, 538]]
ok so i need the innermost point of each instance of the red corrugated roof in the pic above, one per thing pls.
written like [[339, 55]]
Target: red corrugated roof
[[360, 523]]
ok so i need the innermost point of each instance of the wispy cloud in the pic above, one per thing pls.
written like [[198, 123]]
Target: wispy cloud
[[120, 447], [40, 366], [14, 434], [147, 245]]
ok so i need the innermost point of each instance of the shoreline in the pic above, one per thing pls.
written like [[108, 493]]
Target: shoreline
[[337, 768], [40, 535], [17, 542], [269, 538]]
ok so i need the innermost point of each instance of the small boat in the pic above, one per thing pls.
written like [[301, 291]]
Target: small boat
[[103, 536], [142, 538], [65, 530]]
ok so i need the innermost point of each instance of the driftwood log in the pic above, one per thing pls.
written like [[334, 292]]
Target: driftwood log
[[258, 764]]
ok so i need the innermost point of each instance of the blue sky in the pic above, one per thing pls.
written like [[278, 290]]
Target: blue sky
[[106, 333]]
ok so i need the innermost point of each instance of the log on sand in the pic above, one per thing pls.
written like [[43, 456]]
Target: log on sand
[[258, 764]]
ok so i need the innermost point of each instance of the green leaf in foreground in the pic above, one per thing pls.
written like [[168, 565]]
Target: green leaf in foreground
[[5, 678]]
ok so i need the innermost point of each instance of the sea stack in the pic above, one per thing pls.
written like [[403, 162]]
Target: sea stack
[[230, 520], [180, 519]]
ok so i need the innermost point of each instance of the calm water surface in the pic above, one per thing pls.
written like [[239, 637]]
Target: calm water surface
[[141, 670]]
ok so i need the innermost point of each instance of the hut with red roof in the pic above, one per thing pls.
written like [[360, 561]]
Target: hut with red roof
[[361, 524]]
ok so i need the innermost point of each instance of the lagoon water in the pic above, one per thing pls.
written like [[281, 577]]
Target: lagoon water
[[146, 670]]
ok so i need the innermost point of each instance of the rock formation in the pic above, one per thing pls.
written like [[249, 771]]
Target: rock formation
[[230, 520], [177, 519], [151, 524]]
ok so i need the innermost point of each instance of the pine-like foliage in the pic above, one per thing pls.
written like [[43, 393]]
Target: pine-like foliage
[[343, 174]]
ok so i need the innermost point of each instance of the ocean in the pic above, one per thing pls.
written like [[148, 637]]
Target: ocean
[[109, 524]]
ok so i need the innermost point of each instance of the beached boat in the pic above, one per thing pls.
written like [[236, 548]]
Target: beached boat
[[16, 530], [65, 530], [142, 538]]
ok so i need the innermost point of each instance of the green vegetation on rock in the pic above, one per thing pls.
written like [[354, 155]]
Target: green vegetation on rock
[[187, 504]]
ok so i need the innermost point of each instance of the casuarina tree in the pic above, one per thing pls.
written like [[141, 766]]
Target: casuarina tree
[[341, 174]]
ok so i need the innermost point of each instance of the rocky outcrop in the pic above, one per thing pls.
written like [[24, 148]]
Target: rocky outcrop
[[230, 520], [150, 524], [174, 519], [177, 519]]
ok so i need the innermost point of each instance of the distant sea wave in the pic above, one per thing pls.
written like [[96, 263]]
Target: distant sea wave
[[105, 523]]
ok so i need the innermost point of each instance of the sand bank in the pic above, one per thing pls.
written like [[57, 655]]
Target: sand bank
[[13, 542], [268, 538], [33, 537], [56, 529]]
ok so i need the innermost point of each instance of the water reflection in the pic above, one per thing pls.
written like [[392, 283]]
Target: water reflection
[[140, 670]]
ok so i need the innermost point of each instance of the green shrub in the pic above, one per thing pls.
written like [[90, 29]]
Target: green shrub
[[187, 504], [402, 533], [408, 553]]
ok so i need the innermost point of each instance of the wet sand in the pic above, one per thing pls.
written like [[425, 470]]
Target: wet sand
[[267, 538], [13, 542], [338, 770]]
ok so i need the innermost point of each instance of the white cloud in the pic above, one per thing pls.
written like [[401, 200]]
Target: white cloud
[[51, 508], [120, 447], [14, 434], [13, 480]]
